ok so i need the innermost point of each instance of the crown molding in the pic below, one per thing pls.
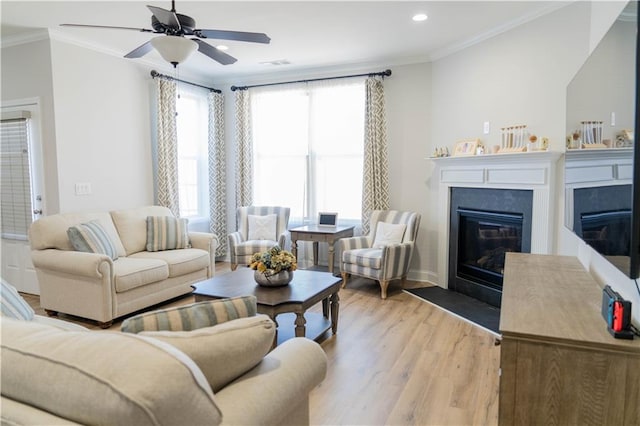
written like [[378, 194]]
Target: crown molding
[[37, 34], [457, 47]]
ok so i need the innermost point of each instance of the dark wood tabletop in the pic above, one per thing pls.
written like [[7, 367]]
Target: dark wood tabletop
[[306, 285]]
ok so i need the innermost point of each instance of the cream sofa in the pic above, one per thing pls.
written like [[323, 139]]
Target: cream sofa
[[55, 372], [96, 287]]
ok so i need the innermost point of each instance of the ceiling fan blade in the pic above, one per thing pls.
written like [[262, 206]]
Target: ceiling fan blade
[[140, 51], [109, 27], [233, 35], [165, 17], [214, 53]]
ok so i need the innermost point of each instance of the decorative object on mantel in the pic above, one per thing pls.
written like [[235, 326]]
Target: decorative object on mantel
[[590, 137], [624, 139], [440, 152], [592, 134], [537, 144], [274, 267], [466, 147], [513, 139]]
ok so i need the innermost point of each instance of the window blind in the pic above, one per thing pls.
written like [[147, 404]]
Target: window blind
[[16, 211]]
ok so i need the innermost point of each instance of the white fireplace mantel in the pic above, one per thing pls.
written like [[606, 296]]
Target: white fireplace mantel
[[534, 171]]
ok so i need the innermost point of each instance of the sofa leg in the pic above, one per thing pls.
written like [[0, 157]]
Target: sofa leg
[[51, 313], [344, 279], [234, 266], [105, 325], [384, 285]]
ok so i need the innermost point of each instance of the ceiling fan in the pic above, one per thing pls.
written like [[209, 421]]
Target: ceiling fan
[[176, 46]]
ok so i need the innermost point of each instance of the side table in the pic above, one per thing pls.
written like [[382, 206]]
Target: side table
[[319, 234]]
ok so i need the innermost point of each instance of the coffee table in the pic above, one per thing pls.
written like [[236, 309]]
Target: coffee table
[[288, 303]]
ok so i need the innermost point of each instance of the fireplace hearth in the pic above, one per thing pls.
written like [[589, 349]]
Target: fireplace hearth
[[485, 225]]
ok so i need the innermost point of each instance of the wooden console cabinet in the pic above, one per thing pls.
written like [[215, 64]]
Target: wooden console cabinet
[[559, 364]]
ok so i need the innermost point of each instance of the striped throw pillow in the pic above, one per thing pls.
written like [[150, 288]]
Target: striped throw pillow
[[12, 305], [167, 233], [91, 237], [192, 317]]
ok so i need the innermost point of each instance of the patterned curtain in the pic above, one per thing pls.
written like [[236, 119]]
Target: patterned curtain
[[375, 180], [244, 150], [167, 179], [217, 170]]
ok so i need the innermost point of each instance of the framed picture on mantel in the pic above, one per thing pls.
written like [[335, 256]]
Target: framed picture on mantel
[[466, 147]]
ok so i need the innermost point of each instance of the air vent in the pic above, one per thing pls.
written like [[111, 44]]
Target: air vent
[[277, 62]]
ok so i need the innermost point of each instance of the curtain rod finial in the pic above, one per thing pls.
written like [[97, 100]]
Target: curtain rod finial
[[387, 73]]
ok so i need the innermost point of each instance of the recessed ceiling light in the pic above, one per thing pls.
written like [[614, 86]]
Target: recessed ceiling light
[[222, 47], [420, 17]]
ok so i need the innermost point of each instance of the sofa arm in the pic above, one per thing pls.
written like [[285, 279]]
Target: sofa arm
[[208, 242], [92, 265], [280, 384], [395, 260], [355, 243], [204, 241]]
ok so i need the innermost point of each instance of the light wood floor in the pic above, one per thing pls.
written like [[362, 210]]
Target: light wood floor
[[399, 361]]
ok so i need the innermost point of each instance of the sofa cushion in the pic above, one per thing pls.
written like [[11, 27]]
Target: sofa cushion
[[180, 262], [167, 233], [388, 234], [50, 232], [226, 351], [131, 225], [262, 227], [135, 272], [193, 316], [91, 237], [365, 257], [12, 305], [98, 377]]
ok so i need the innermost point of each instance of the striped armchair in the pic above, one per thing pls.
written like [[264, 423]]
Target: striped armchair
[[385, 253], [259, 229]]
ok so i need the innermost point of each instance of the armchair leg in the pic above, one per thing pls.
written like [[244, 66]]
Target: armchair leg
[[344, 279], [234, 266], [384, 285]]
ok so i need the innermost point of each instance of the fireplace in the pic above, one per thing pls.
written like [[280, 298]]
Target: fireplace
[[485, 224], [531, 173], [602, 217]]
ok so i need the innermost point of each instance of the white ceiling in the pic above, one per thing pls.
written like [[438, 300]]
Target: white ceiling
[[311, 35]]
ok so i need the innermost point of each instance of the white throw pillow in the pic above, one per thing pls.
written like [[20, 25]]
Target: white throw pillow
[[262, 227], [389, 233]]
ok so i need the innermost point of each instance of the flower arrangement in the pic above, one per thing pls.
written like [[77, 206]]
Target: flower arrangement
[[274, 260]]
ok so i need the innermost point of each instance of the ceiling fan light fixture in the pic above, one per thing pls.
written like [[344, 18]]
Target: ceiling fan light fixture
[[174, 49]]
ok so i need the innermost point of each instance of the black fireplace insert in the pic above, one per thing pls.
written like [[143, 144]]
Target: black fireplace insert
[[485, 224]]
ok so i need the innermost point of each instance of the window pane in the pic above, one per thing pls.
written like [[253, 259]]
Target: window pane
[[308, 148], [192, 130]]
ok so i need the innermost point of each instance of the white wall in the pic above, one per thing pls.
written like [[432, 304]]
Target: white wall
[[26, 73], [103, 137]]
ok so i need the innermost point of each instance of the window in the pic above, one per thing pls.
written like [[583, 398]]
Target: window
[[16, 158], [308, 149], [192, 129]]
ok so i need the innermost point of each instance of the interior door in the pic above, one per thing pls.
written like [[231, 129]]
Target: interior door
[[17, 267]]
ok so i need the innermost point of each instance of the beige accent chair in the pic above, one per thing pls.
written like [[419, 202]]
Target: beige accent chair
[[385, 254], [258, 229], [55, 373], [97, 287]]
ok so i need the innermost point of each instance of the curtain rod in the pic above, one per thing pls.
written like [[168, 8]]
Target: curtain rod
[[155, 74], [385, 73]]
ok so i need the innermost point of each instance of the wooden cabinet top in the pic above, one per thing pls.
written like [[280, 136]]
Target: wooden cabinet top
[[552, 298]]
